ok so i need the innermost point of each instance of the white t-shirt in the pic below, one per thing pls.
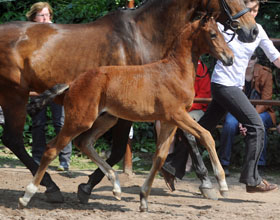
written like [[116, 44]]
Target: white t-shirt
[[235, 75]]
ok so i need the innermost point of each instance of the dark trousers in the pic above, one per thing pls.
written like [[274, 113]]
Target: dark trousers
[[233, 100], [38, 133]]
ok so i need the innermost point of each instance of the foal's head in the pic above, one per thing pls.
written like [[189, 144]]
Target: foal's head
[[210, 40]]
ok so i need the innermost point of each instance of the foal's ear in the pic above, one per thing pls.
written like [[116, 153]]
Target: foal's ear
[[204, 19]]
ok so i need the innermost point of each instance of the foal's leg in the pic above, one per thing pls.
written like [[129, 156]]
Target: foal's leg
[[85, 143], [165, 136], [120, 136], [186, 123], [84, 118]]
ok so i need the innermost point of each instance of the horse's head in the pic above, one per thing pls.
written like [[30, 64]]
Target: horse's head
[[233, 15], [212, 41]]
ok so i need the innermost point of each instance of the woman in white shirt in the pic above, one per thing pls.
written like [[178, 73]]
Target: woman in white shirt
[[226, 87]]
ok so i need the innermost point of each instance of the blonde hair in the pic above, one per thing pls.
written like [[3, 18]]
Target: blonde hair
[[248, 1], [35, 8]]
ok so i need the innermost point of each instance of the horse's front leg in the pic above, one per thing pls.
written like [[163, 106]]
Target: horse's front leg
[[52, 150], [186, 123], [165, 137], [13, 105], [85, 143]]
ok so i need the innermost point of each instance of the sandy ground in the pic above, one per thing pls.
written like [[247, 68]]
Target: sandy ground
[[185, 203]]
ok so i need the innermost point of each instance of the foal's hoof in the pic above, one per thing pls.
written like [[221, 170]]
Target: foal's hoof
[[224, 194], [54, 197], [208, 193], [83, 194], [117, 195], [22, 203]]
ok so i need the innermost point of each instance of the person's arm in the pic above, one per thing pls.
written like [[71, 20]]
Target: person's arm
[[277, 62]]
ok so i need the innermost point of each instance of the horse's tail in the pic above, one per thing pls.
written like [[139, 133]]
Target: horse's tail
[[37, 103]]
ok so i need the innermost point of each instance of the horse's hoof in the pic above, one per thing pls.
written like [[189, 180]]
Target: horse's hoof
[[224, 194], [118, 195], [54, 197], [83, 195], [208, 193], [22, 203]]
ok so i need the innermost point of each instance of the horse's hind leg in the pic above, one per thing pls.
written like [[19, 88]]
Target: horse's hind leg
[[85, 143], [120, 137], [13, 106], [165, 136], [186, 123]]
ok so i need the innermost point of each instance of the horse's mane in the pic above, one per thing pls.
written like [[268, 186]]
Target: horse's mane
[[143, 3]]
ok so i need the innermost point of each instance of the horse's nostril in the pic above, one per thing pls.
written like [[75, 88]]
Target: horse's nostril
[[231, 61], [255, 31]]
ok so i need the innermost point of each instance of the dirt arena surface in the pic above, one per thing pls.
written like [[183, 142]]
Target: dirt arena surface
[[185, 203]]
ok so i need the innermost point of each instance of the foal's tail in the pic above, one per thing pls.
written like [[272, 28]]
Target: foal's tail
[[37, 103]]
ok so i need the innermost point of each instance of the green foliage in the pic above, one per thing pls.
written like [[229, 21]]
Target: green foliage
[[65, 11], [143, 137]]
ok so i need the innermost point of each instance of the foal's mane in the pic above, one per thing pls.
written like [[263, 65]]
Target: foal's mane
[[192, 32]]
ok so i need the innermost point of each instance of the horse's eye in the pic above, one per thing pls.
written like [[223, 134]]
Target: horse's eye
[[213, 36]]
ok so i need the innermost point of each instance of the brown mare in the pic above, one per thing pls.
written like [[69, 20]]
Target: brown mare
[[35, 57], [162, 90]]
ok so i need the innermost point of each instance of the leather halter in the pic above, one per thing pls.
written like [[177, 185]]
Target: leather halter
[[231, 23]]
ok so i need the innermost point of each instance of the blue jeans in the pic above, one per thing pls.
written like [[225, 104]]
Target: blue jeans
[[230, 129], [39, 122]]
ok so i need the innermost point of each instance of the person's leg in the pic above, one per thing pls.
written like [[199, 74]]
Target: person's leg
[[38, 135], [2, 118], [240, 107], [267, 122], [230, 129], [58, 121]]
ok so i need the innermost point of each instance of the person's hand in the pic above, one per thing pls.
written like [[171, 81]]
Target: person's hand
[[242, 129], [33, 93], [278, 128]]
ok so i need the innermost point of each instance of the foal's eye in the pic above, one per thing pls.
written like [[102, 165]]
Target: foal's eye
[[213, 35]]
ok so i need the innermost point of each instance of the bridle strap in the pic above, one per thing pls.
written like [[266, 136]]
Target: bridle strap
[[237, 15], [232, 19]]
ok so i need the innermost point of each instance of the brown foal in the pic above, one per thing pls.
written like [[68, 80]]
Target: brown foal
[[162, 91]]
